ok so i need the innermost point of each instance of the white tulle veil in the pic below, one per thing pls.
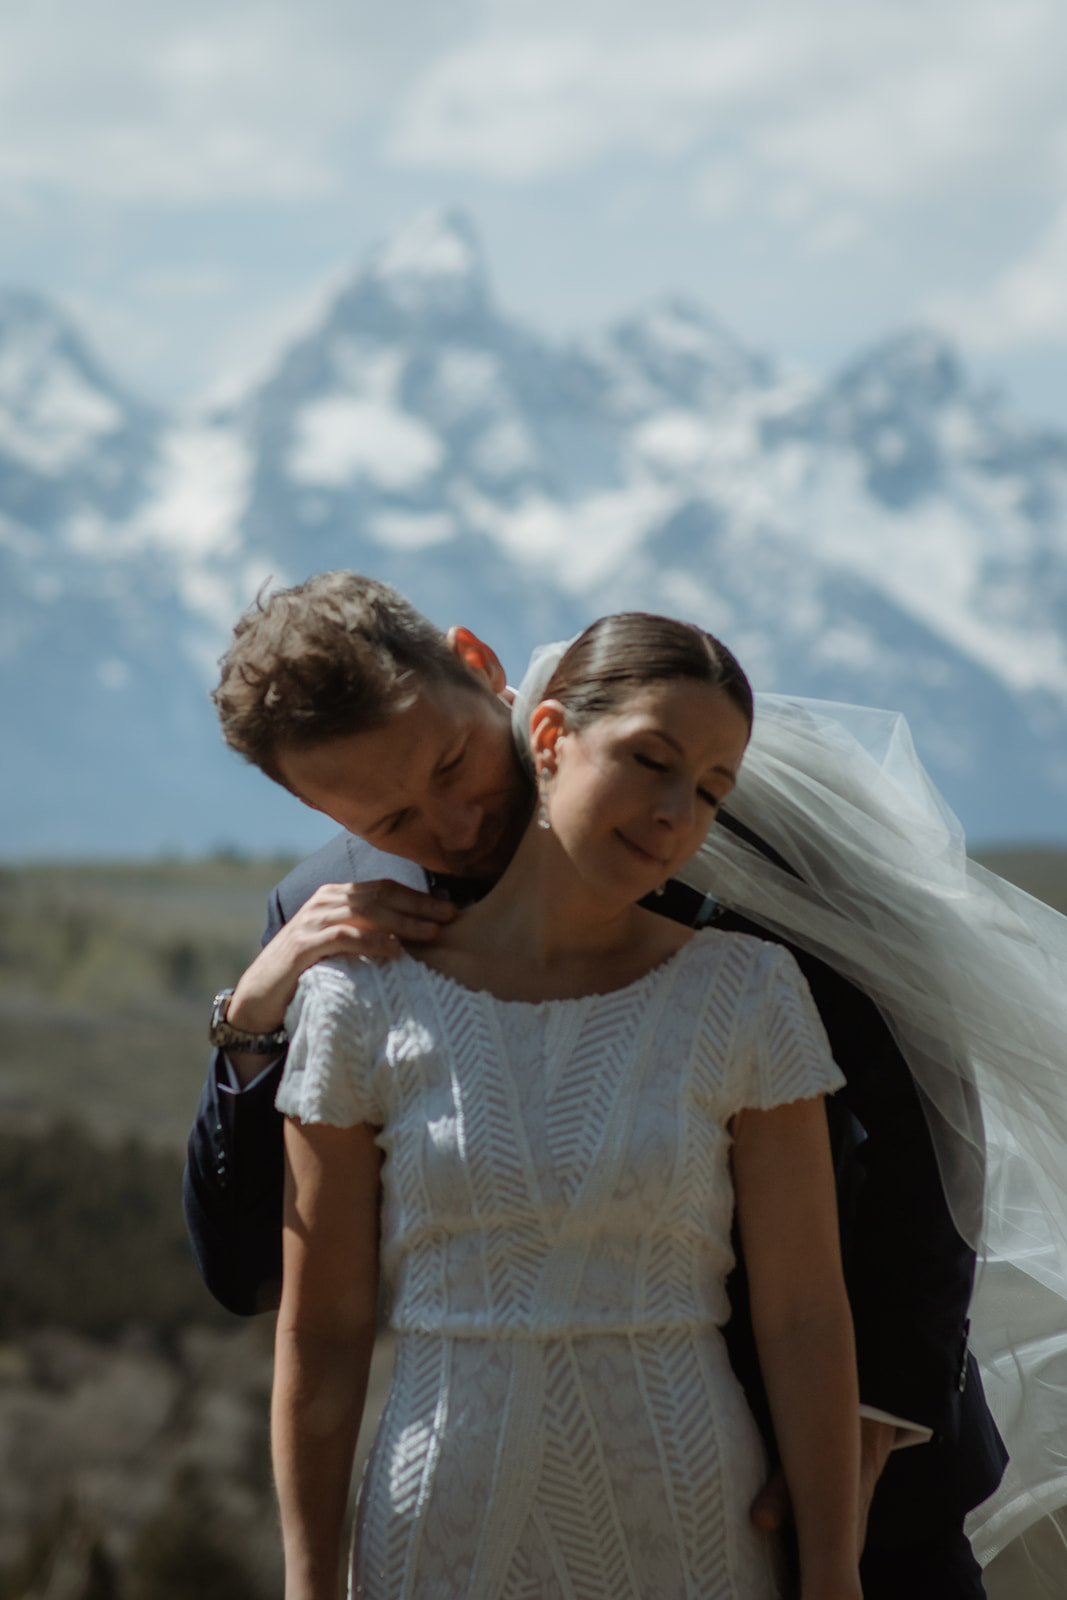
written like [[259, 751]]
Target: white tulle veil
[[970, 974]]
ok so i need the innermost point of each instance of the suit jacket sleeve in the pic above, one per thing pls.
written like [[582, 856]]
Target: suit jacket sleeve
[[234, 1179]]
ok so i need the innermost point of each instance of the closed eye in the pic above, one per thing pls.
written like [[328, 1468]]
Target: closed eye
[[711, 800], [647, 761], [396, 822], [453, 762]]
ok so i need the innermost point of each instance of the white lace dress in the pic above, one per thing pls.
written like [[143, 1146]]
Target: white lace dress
[[563, 1420]]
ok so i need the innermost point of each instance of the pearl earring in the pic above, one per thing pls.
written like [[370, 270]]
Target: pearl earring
[[542, 809]]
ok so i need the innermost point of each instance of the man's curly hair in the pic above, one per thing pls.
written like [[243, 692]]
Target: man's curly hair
[[337, 655]]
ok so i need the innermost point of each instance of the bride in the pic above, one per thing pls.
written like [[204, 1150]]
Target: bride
[[562, 1101]]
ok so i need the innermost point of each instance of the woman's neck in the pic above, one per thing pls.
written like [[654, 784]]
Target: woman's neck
[[542, 932], [542, 911]]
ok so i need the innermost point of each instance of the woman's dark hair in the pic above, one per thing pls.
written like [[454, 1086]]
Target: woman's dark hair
[[624, 652]]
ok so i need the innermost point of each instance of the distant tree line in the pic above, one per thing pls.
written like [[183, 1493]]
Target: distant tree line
[[93, 1238]]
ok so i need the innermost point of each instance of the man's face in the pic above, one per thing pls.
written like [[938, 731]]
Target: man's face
[[439, 783]]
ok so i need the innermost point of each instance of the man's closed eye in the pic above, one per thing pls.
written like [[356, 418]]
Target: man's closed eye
[[452, 763]]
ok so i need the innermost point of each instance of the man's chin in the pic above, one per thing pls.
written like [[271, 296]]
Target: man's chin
[[484, 867], [489, 861]]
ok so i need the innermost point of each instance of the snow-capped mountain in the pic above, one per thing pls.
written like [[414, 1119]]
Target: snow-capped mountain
[[892, 537]]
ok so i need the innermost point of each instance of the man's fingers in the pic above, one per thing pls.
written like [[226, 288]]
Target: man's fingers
[[361, 926], [390, 907], [370, 943], [413, 902], [383, 895], [417, 929], [353, 919], [771, 1508]]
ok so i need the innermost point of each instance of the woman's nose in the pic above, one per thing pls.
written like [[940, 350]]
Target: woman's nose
[[675, 806]]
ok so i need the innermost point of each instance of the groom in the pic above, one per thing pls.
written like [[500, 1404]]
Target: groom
[[342, 693]]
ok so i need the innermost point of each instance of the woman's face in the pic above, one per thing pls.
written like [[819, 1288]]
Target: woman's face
[[631, 795]]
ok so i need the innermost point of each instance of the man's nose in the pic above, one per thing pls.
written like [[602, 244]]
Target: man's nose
[[458, 823]]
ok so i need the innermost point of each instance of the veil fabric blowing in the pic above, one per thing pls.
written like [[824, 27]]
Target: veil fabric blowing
[[970, 975]]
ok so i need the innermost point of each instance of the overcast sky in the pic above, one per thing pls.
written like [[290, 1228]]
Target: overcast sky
[[191, 178]]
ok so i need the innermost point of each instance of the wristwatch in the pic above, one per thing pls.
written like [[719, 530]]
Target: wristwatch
[[225, 1036]]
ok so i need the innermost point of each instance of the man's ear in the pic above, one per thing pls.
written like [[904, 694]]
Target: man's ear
[[478, 657], [548, 722]]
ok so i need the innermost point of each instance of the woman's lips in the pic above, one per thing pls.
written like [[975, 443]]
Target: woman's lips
[[641, 852]]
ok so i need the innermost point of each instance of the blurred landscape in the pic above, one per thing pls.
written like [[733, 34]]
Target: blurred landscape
[[106, 974], [134, 1451]]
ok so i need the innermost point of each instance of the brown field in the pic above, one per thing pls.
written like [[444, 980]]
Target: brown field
[[106, 976], [134, 1459]]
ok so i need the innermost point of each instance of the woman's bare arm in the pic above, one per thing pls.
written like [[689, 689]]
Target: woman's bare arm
[[323, 1343], [787, 1215]]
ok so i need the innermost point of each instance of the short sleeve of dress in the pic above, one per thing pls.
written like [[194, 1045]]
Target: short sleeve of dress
[[790, 1053], [328, 1074]]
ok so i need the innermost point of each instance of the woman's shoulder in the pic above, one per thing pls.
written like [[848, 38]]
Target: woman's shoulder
[[343, 990], [755, 971], [337, 1027], [339, 979], [714, 948]]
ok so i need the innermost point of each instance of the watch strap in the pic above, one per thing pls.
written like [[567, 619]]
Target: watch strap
[[225, 1036]]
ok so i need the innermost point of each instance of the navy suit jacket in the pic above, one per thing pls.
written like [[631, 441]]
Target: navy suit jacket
[[909, 1273]]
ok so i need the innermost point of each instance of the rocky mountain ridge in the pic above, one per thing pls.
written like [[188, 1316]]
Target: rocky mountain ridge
[[891, 537]]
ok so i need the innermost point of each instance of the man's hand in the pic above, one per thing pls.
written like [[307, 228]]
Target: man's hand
[[771, 1508], [340, 919], [876, 1444]]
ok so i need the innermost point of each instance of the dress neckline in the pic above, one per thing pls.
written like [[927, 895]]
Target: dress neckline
[[700, 936]]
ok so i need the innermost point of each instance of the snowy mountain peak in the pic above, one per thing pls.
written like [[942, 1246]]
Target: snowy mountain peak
[[679, 336], [675, 352], [21, 310], [889, 537], [431, 270], [904, 411], [437, 246], [916, 369], [56, 406]]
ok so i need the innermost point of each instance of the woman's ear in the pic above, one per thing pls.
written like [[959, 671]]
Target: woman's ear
[[547, 723], [476, 655]]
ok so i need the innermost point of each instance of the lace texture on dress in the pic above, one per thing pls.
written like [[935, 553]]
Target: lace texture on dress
[[556, 1219]]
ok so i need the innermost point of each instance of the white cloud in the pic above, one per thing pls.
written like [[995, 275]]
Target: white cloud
[[147, 100], [800, 111], [544, 90], [892, 98], [784, 139], [720, 189], [1024, 304]]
